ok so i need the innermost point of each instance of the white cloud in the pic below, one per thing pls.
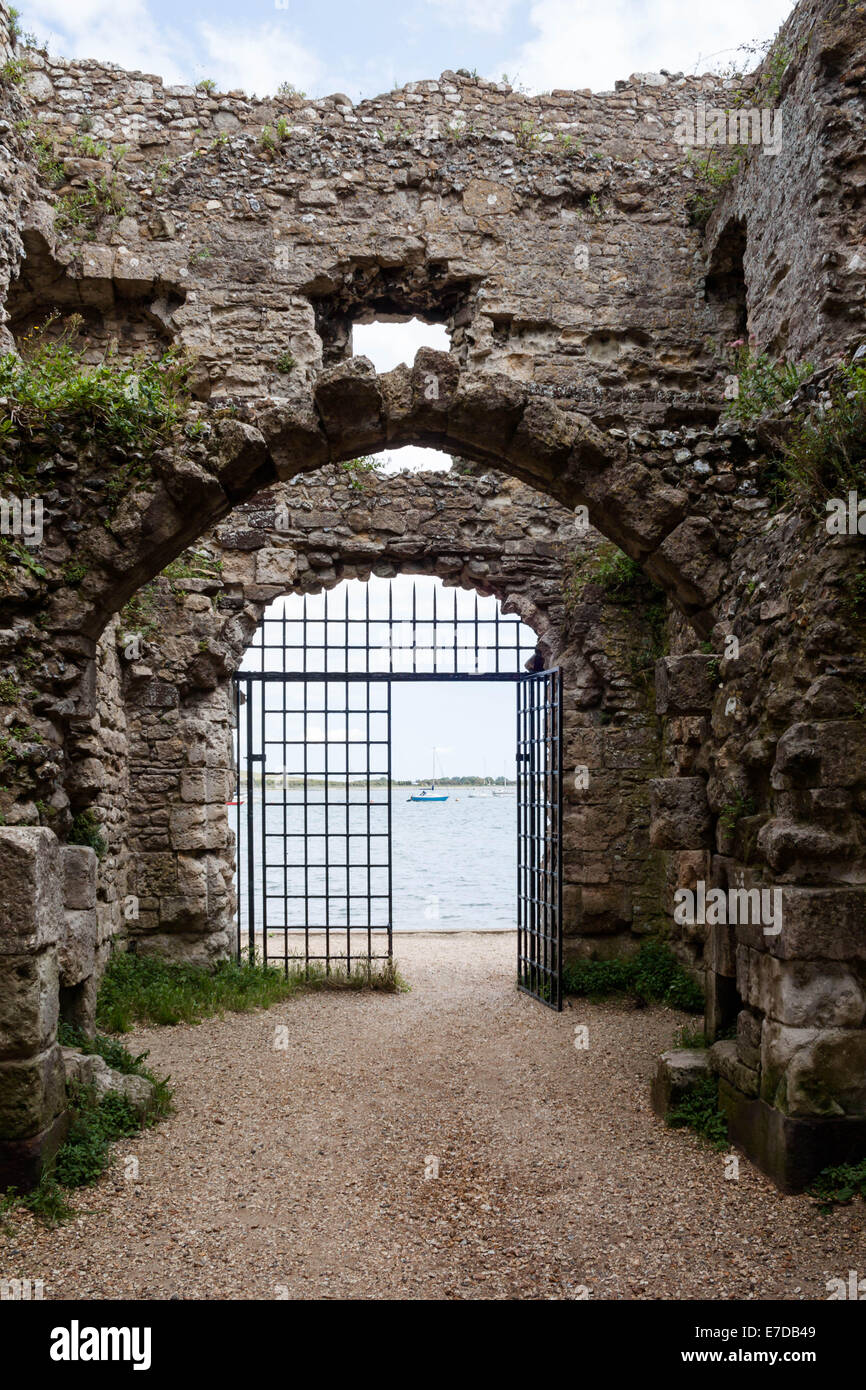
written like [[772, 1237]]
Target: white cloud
[[257, 59], [489, 16], [389, 344], [126, 34], [580, 44]]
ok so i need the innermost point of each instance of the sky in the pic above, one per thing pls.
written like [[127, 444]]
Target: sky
[[364, 50]]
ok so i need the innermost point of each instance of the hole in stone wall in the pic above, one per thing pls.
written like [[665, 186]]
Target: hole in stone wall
[[388, 343], [75, 1007], [354, 293], [130, 315], [725, 282]]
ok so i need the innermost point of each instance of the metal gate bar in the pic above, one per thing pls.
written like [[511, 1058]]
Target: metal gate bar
[[539, 836], [325, 859]]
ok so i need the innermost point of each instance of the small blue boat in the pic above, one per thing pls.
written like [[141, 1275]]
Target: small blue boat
[[429, 793]]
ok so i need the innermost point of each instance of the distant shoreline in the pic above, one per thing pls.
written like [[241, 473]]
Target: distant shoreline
[[276, 779]]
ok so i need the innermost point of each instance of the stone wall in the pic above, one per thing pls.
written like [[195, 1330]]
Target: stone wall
[[489, 534], [588, 315]]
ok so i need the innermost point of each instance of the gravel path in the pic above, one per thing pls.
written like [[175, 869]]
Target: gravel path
[[300, 1172]]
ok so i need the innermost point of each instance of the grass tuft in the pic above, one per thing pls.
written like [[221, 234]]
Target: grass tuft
[[127, 403], [144, 990], [840, 1185]]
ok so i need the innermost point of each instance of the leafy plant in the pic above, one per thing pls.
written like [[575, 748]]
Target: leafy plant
[[527, 135], [738, 807], [82, 210], [762, 384], [357, 468], [86, 830], [698, 1110], [131, 403], [653, 974], [839, 1185], [285, 363], [83, 1158], [120, 1059], [712, 175], [826, 456]]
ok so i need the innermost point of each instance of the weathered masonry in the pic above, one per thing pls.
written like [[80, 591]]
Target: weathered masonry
[[588, 314]]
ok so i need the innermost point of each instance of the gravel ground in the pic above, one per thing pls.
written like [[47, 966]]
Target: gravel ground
[[300, 1172]]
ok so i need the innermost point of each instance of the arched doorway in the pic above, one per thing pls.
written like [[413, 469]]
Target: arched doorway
[[314, 801]]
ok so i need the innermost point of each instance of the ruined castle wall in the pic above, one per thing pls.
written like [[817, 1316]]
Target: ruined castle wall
[[585, 360], [488, 534], [800, 204]]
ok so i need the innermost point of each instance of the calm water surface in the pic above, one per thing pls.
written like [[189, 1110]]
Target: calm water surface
[[453, 862]]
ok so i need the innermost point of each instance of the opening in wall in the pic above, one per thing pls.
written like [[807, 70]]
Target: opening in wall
[[388, 343]]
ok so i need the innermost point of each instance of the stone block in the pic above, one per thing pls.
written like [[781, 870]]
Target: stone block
[[28, 1003], [685, 684], [749, 1038], [31, 889], [726, 1062], [676, 1073], [276, 565], [79, 877], [91, 1070], [22, 1160], [32, 1093], [77, 945], [680, 815], [814, 1071], [790, 1150], [817, 923], [827, 754]]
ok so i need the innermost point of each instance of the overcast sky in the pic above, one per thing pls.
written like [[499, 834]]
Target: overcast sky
[[365, 49], [471, 726]]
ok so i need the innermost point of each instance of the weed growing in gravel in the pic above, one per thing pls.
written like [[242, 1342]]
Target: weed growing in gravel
[[96, 1122], [839, 1186], [654, 974], [138, 989], [699, 1111]]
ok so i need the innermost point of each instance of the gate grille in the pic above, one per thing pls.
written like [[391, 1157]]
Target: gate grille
[[313, 757], [539, 836]]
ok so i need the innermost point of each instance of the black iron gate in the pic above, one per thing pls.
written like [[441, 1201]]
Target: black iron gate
[[316, 818], [313, 796], [539, 836]]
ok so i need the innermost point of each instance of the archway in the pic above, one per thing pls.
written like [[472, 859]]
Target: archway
[[314, 704]]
